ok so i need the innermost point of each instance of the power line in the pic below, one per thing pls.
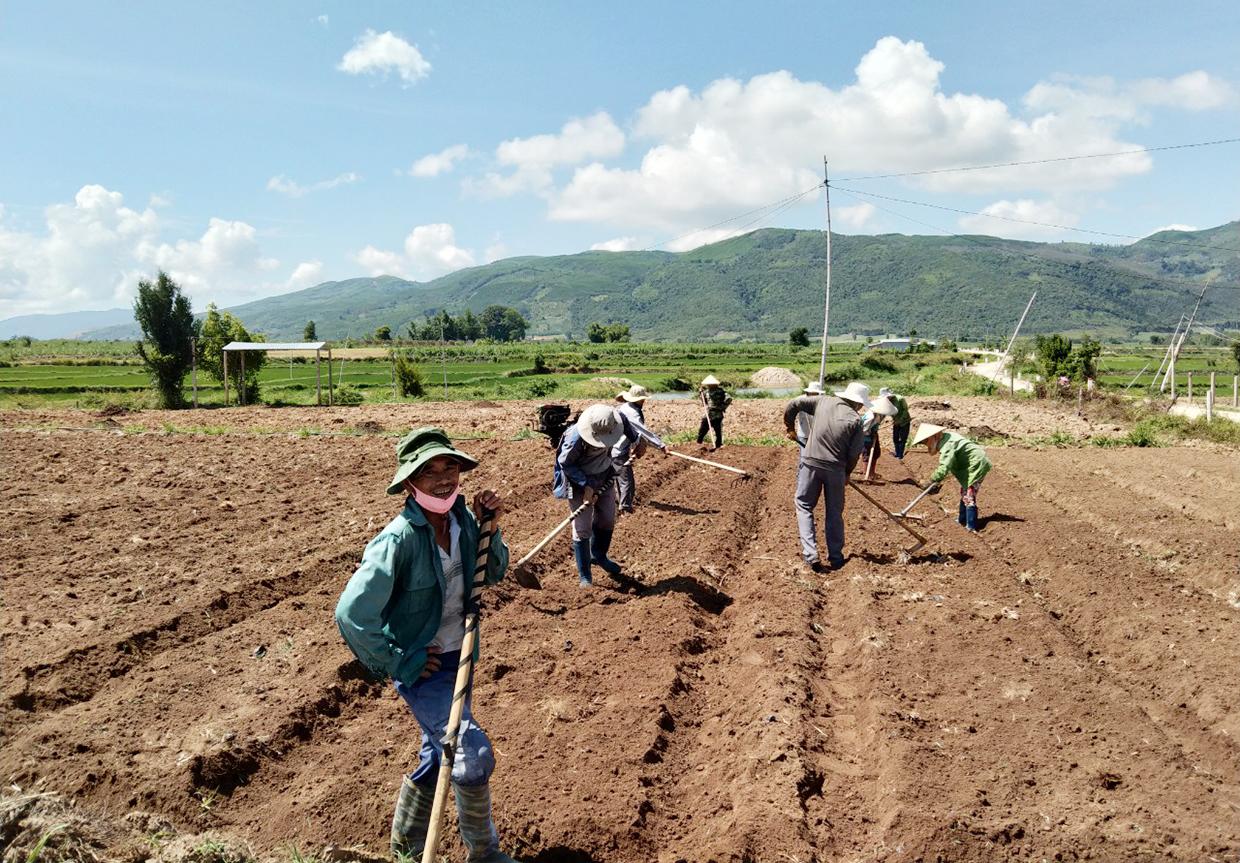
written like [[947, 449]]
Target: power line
[[995, 247], [1043, 161], [1032, 222], [775, 206]]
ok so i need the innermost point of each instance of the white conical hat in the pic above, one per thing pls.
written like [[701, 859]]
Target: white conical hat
[[710, 381], [885, 406], [599, 425], [856, 392], [813, 388], [924, 432]]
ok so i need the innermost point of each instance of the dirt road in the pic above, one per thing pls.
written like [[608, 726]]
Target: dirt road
[[1062, 686]]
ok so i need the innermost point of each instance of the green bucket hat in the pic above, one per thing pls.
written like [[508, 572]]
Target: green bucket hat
[[420, 446]]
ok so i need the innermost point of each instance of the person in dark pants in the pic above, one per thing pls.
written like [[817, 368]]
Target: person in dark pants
[[964, 459], [586, 475], [403, 615], [901, 423], [714, 402], [829, 456], [623, 454]]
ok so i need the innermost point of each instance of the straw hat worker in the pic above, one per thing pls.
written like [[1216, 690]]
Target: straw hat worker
[[964, 459], [403, 615], [632, 406]]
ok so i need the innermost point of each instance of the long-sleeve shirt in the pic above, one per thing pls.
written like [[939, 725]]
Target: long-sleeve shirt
[[579, 464], [962, 458], [637, 420], [902, 417], [836, 435]]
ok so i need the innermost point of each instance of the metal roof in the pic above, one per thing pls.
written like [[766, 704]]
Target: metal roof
[[275, 346]]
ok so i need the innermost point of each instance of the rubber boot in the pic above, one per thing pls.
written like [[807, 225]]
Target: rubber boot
[[970, 518], [412, 819], [581, 553], [960, 518], [473, 811], [601, 542]]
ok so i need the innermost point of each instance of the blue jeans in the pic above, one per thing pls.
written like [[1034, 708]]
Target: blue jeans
[[430, 699]]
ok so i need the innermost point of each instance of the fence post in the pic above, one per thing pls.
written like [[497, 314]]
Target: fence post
[[193, 356], [1190, 388], [1080, 398], [1235, 391]]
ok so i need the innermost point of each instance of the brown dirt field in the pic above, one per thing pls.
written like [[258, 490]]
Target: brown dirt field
[[1061, 686]]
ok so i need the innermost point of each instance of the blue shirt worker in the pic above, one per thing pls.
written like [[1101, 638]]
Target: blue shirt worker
[[403, 615], [585, 476], [827, 458], [623, 454], [964, 459]]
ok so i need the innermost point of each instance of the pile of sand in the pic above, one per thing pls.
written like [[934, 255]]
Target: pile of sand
[[775, 377]]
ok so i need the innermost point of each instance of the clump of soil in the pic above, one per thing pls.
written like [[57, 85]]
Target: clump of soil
[[774, 376], [932, 406], [486, 404], [369, 427], [113, 411], [985, 431]]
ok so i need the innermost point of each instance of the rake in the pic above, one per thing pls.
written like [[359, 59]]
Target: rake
[[906, 555]]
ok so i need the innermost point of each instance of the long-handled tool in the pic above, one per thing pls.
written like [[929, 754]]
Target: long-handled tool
[[869, 467], [464, 675], [710, 463], [906, 555], [904, 513], [521, 573]]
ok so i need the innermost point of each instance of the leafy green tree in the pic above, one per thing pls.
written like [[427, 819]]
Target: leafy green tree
[[218, 329], [383, 334], [1053, 353], [168, 326], [471, 328], [618, 333], [799, 337], [503, 323], [1235, 352], [596, 332], [308, 334], [409, 379], [1083, 364]]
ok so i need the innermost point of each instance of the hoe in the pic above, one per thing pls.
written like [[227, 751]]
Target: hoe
[[906, 555]]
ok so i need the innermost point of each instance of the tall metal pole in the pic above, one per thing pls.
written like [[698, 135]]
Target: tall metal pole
[[1012, 342], [1188, 328], [826, 310], [193, 356], [1175, 336], [443, 358]]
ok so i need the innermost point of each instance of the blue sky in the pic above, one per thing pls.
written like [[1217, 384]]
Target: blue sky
[[256, 148]]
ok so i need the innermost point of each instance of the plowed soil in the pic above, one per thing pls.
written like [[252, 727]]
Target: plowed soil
[[1061, 686]]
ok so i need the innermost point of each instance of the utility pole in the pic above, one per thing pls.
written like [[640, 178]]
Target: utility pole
[[443, 357], [1012, 342], [1170, 347], [826, 313], [193, 358], [1188, 328]]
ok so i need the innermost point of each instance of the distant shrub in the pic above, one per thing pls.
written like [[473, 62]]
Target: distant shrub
[[409, 379], [878, 363], [347, 395]]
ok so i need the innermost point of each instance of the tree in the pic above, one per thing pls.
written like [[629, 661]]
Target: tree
[[218, 329], [596, 332], [503, 323], [308, 334], [168, 326], [383, 334], [1053, 353], [409, 378], [799, 337], [471, 329], [1235, 352]]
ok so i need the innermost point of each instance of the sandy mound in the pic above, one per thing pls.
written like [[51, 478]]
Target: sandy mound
[[774, 376]]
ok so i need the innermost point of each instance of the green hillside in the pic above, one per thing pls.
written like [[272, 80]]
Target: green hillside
[[762, 284]]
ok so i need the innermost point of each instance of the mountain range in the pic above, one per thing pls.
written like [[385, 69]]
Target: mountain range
[[762, 284]]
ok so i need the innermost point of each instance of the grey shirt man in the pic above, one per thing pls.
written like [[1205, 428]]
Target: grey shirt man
[[835, 436]]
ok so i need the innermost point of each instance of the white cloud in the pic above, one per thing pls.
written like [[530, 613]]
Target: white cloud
[[495, 252], [439, 163], [1012, 218], [617, 244], [429, 251], [737, 145], [1173, 227], [856, 216], [305, 274], [382, 53], [285, 186], [533, 159], [92, 252], [322, 20]]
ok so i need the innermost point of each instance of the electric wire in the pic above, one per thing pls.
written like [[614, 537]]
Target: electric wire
[[1032, 222], [782, 204], [1045, 161], [997, 247]]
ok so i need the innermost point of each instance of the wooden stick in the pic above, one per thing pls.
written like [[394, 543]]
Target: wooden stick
[[464, 671], [869, 468], [917, 536], [708, 462], [554, 533]]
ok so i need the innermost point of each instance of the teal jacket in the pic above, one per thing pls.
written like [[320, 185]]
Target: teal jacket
[[962, 458], [392, 606]]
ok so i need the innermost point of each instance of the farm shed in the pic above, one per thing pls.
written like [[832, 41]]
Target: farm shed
[[317, 347]]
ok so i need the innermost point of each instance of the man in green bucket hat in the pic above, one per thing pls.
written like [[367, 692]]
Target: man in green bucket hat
[[403, 615]]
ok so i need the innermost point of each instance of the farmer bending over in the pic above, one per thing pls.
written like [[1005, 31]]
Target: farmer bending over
[[403, 615], [963, 459], [632, 408], [585, 474], [900, 423], [829, 455]]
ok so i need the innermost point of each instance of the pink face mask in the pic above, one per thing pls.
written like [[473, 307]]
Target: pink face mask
[[437, 505]]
